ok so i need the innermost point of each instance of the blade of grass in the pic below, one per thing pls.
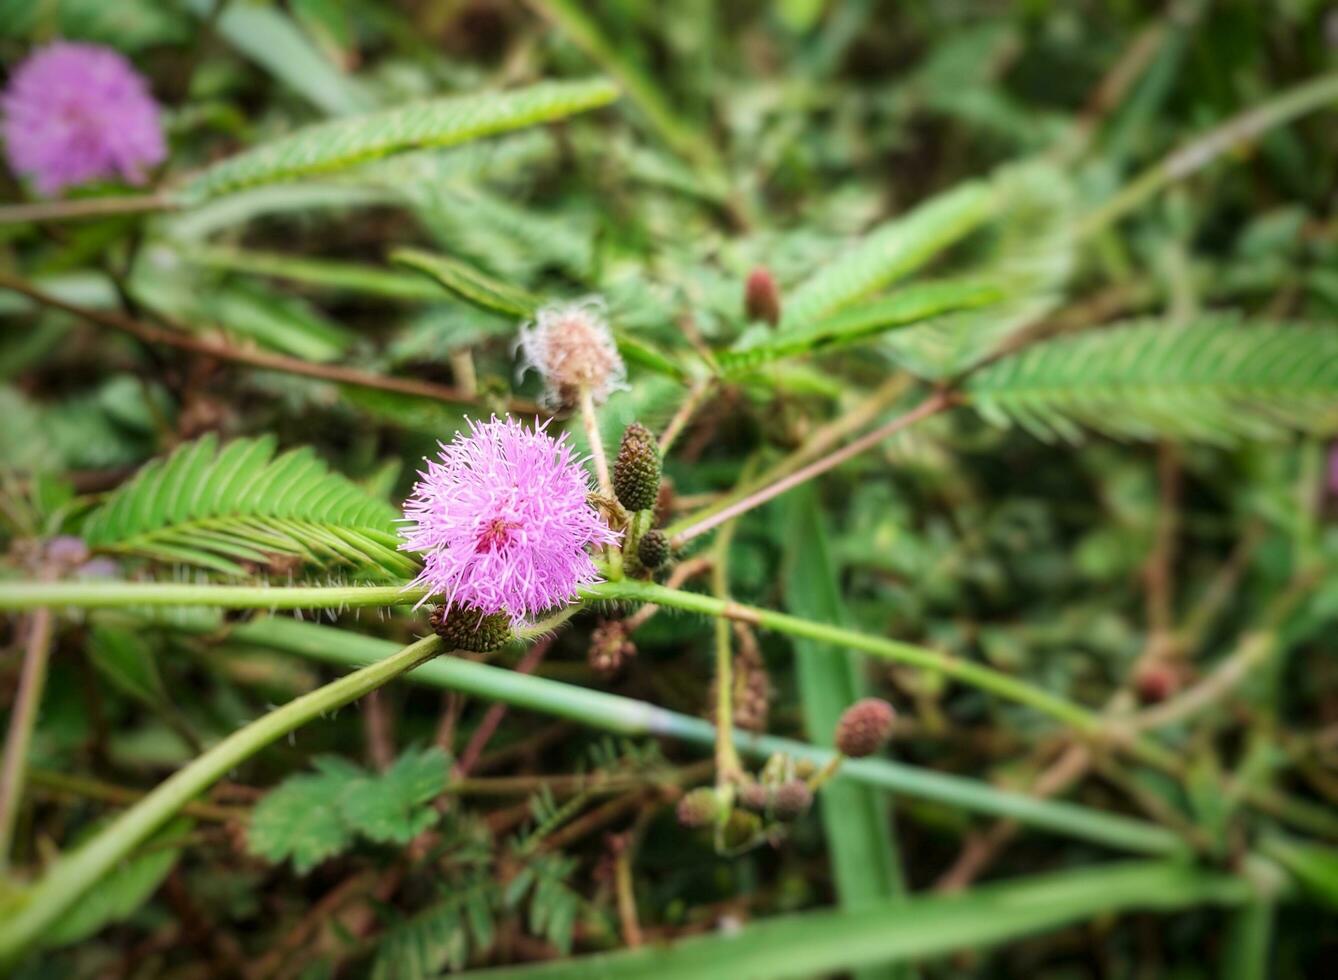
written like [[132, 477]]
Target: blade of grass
[[819, 943], [856, 820]]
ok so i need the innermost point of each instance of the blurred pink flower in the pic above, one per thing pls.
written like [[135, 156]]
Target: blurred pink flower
[[503, 520], [78, 112]]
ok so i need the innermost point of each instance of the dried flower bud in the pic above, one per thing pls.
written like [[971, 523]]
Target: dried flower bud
[[699, 807], [653, 549], [572, 348], [636, 471], [610, 647], [864, 727], [791, 800], [1155, 681], [761, 297], [464, 628]]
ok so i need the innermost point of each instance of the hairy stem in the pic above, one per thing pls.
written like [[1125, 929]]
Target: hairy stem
[[22, 719], [76, 872]]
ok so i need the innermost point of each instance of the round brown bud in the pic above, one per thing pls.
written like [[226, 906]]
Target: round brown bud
[[636, 471], [653, 549], [761, 297], [463, 628], [755, 796], [864, 727], [699, 807], [791, 800], [1155, 681]]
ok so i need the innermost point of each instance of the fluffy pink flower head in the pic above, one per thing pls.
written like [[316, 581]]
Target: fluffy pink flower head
[[503, 520], [571, 347], [79, 112]]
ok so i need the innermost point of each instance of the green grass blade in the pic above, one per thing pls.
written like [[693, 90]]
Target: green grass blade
[[269, 37], [819, 943], [439, 122], [857, 820]]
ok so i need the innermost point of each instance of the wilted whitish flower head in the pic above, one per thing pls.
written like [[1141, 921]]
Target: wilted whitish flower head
[[503, 520], [78, 112], [571, 347]]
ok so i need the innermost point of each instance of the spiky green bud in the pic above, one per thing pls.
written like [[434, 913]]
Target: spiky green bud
[[653, 549], [463, 628], [636, 472]]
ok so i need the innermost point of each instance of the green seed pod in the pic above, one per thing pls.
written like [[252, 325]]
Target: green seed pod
[[699, 808], [636, 471], [463, 628]]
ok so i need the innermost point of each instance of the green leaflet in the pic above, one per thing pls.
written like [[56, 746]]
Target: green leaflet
[[313, 816], [904, 308], [470, 284], [440, 122], [857, 819], [890, 252], [1217, 380], [216, 506]]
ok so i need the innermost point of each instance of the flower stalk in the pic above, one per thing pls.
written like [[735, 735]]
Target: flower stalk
[[76, 872]]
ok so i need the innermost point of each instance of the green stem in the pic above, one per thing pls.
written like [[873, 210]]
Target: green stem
[[120, 595], [625, 716], [75, 873], [1198, 153], [27, 703], [728, 768], [34, 595]]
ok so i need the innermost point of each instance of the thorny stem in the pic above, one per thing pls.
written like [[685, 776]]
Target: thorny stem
[[76, 872], [185, 340], [27, 704], [685, 530]]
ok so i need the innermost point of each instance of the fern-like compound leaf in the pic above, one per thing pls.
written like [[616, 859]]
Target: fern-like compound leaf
[[1216, 380], [440, 122], [217, 507]]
